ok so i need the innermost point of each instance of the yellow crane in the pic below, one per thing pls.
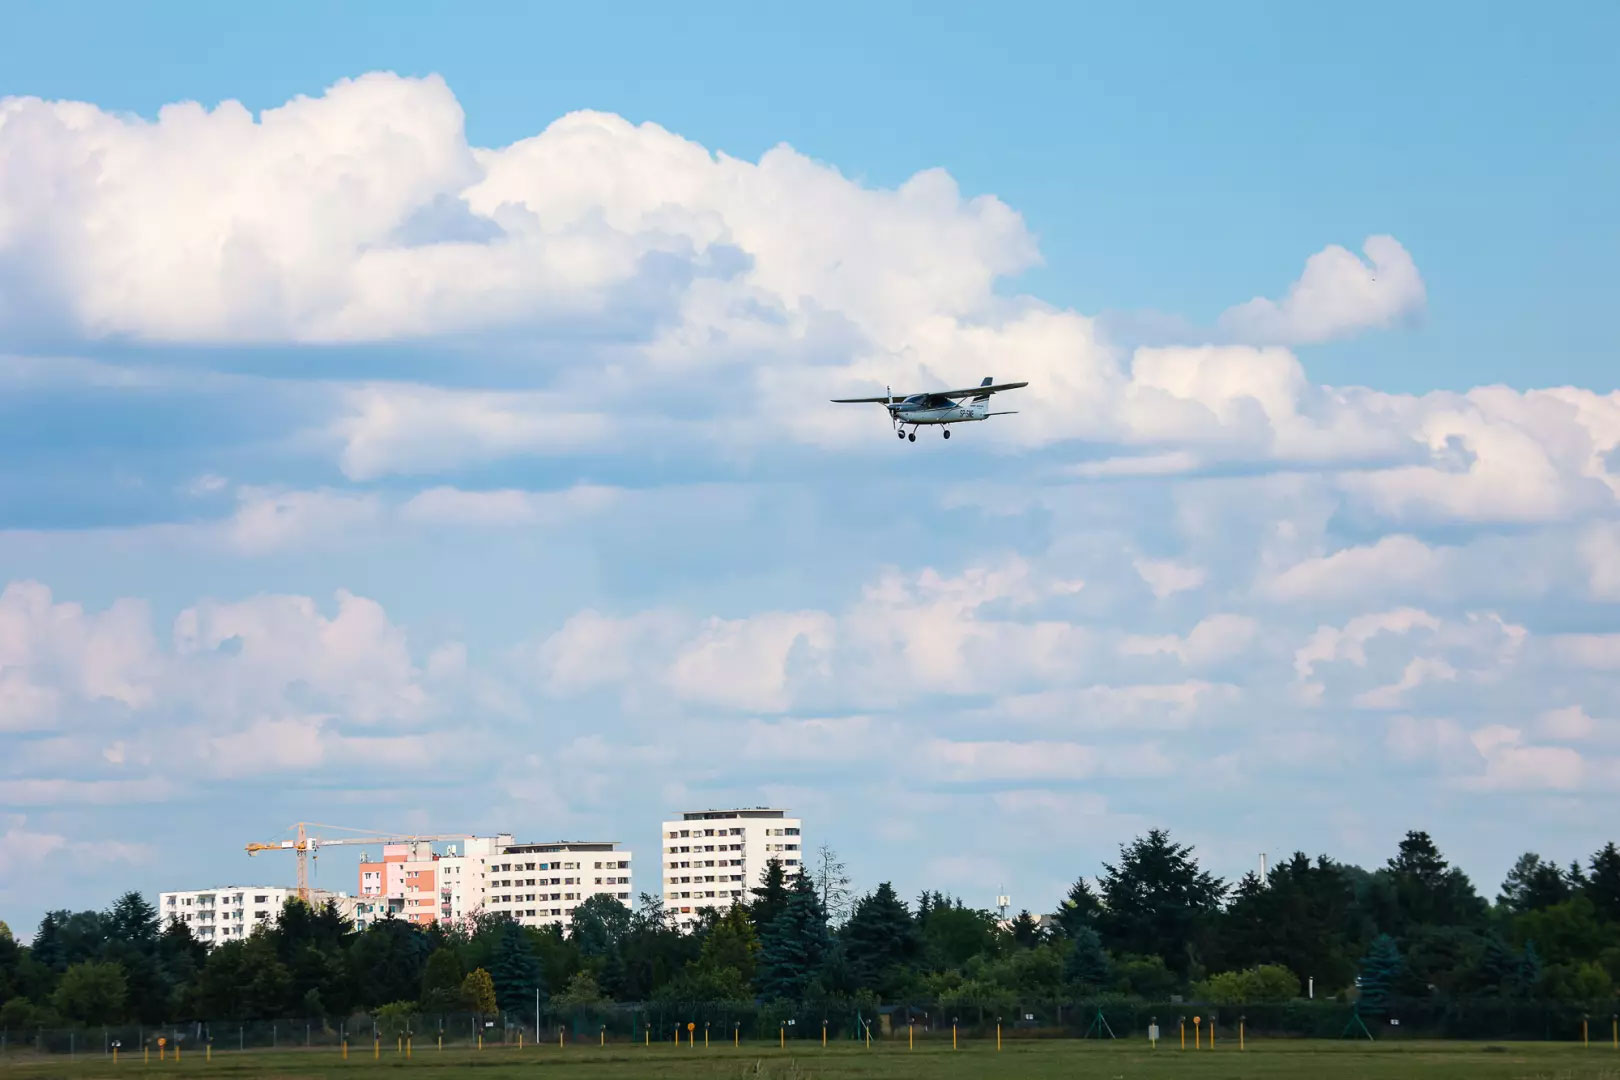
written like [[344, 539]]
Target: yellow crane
[[307, 846]]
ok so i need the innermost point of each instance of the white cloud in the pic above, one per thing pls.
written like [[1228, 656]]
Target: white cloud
[[1337, 296], [1400, 562], [1023, 761], [1215, 639], [1166, 577], [53, 652]]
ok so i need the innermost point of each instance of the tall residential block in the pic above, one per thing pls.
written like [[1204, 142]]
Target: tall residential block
[[714, 858]]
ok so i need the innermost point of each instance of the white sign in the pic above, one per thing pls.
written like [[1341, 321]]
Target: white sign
[[1153, 1033]]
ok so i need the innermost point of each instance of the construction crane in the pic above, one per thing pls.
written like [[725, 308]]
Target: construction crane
[[307, 846]]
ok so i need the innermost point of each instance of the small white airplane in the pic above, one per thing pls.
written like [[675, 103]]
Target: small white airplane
[[939, 407]]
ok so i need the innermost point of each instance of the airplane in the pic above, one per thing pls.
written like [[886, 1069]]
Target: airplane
[[940, 407]]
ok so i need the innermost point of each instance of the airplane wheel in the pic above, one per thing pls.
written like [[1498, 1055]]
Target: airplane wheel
[[901, 434], [947, 433], [912, 436]]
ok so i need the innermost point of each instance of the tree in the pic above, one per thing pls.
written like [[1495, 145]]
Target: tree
[[1429, 891], [1381, 970], [515, 970], [731, 944], [478, 992], [442, 979], [581, 990], [91, 993], [1266, 983], [794, 944], [1078, 911], [1533, 884], [1602, 886], [1026, 932], [599, 925], [1157, 902], [832, 884], [953, 934], [770, 896], [1087, 966], [881, 941]]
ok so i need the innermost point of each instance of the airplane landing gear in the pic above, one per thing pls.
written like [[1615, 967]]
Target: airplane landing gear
[[947, 433], [912, 436], [901, 434]]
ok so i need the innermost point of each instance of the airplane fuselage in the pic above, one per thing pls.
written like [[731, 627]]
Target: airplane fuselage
[[953, 414]]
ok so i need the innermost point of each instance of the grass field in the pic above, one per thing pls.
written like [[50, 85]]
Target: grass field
[[980, 1061]]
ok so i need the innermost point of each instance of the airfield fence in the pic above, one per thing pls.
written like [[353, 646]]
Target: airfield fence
[[722, 1022]]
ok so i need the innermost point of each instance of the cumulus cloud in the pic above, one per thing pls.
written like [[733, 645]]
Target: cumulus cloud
[[1337, 296]]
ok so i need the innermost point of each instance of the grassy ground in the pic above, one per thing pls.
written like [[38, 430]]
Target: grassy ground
[[979, 1061]]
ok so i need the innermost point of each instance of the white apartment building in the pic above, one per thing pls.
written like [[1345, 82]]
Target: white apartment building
[[537, 884], [231, 913], [714, 858]]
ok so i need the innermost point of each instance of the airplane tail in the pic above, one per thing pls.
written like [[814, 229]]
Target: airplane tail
[[980, 403]]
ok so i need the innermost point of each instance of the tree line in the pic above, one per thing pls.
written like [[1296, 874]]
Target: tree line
[[1151, 925]]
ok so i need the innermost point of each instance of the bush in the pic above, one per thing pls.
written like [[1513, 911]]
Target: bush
[[1267, 983]]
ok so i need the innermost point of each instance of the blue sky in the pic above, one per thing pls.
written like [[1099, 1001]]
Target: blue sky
[[383, 460]]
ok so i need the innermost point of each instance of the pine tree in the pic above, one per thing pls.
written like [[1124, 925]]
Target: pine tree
[[1157, 902], [1381, 971], [515, 971], [770, 896], [1087, 966], [794, 945], [1602, 887], [1079, 909], [1533, 884], [1428, 890], [1026, 932], [880, 941]]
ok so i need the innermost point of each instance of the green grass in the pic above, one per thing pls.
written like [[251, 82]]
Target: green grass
[[1066, 1058]]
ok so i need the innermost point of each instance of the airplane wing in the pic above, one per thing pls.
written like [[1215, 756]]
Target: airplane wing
[[972, 391], [975, 391]]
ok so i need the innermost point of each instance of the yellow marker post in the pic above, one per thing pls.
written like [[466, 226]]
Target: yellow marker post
[[115, 1055], [691, 1034], [1198, 1033], [911, 1035], [559, 1038], [736, 1034], [376, 1048], [824, 1034], [345, 1049], [1241, 1021], [441, 1042], [520, 1038], [146, 1055], [781, 1037], [869, 1036], [705, 1035], [399, 1044], [407, 1047], [1184, 1033], [1584, 1043], [603, 1040], [998, 1034], [480, 1040], [647, 1036], [1212, 1033], [208, 1050], [177, 1053], [677, 1034], [953, 1034], [161, 1043]]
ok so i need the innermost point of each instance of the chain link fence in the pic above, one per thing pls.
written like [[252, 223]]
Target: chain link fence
[[718, 1022]]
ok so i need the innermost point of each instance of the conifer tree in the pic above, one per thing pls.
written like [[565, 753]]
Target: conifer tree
[[770, 896], [1380, 973], [515, 970], [880, 940], [1602, 886], [1087, 965], [794, 945]]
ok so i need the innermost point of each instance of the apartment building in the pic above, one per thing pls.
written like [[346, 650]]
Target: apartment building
[[537, 884], [231, 913], [714, 858]]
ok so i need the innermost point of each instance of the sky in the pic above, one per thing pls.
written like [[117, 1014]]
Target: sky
[[416, 419]]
